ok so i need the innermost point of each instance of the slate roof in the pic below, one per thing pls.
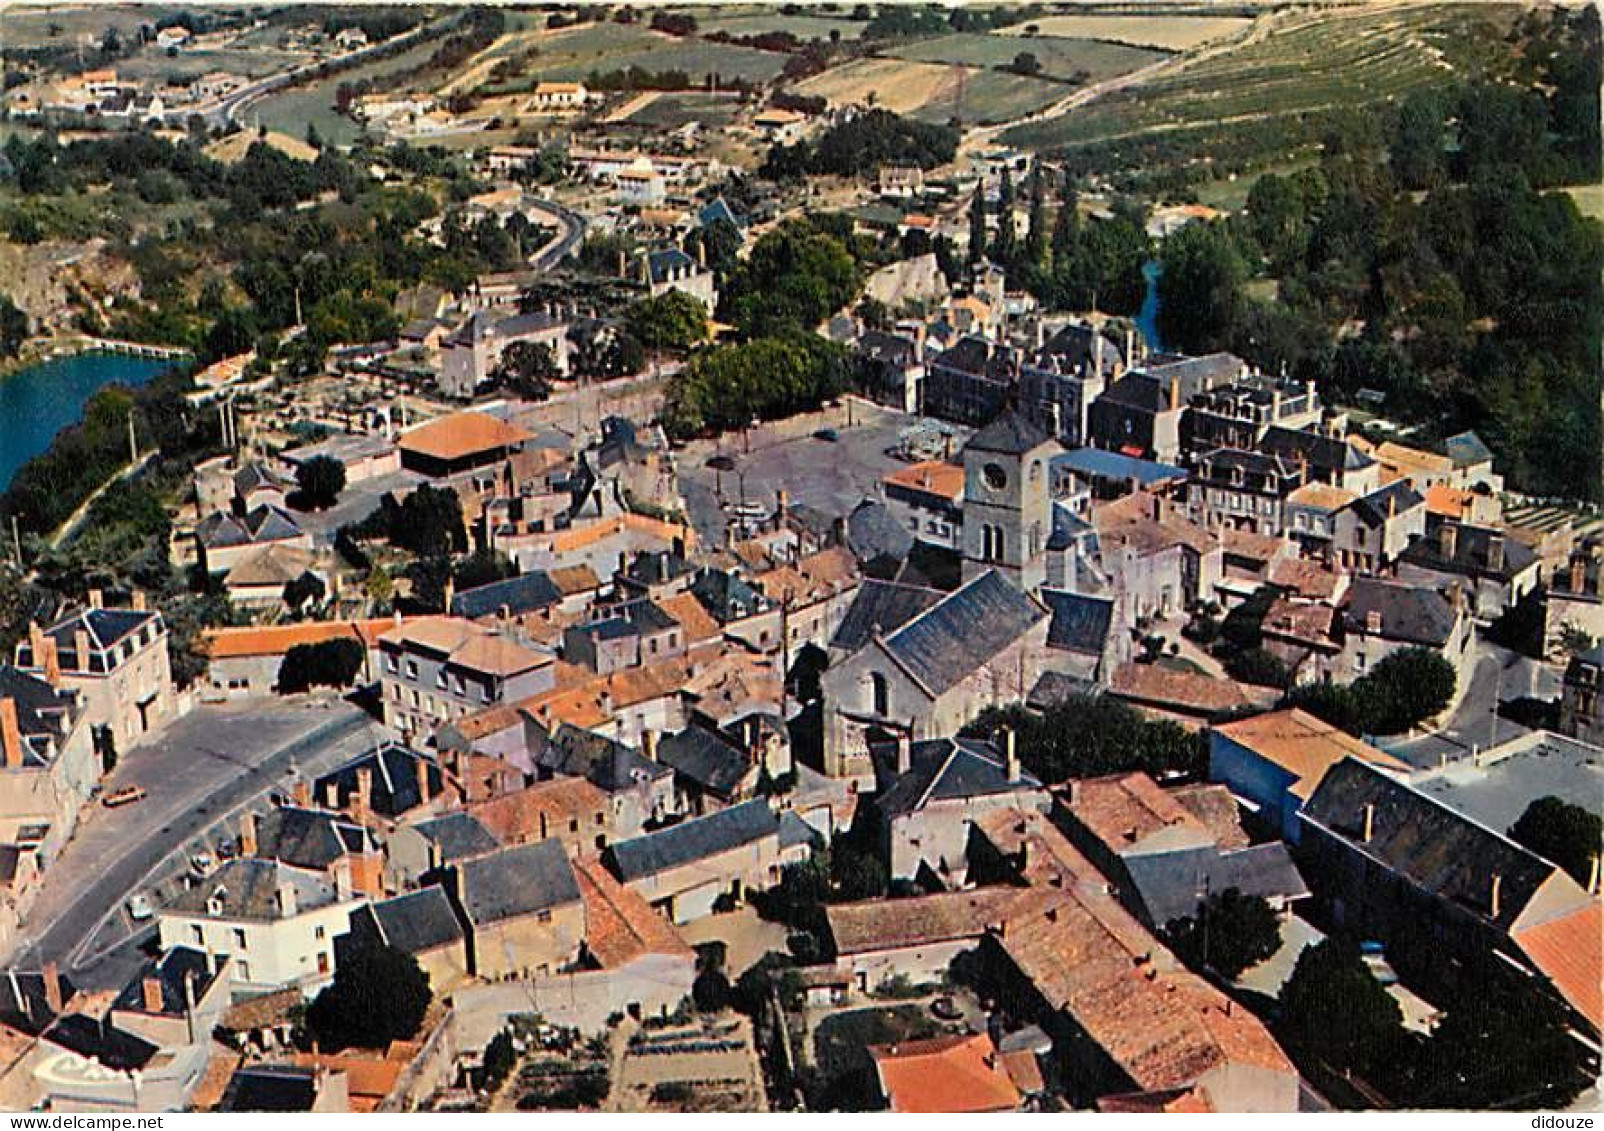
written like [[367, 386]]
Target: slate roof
[[1054, 688], [524, 594], [963, 630], [457, 835], [941, 769], [1471, 553], [883, 604], [874, 532], [1423, 841], [707, 759], [23, 1004], [175, 968], [1467, 449], [395, 780], [1012, 433], [727, 597], [105, 627], [891, 350], [1398, 495], [1414, 615], [266, 523], [1080, 623], [100, 1041], [517, 881], [1072, 346], [605, 762], [271, 1087], [670, 260], [1328, 454], [415, 923], [693, 840], [43, 713], [1172, 885], [309, 838], [248, 888], [716, 210]]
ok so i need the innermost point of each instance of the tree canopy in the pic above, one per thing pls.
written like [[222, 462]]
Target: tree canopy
[[1334, 1010], [1229, 933], [319, 481], [1569, 835], [860, 145], [672, 320], [795, 277], [1086, 736], [379, 995], [728, 386]]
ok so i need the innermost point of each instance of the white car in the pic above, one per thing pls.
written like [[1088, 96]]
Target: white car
[[139, 908]]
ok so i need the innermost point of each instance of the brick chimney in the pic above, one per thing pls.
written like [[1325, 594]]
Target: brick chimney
[[80, 647], [52, 978], [648, 745], [152, 991], [420, 769], [247, 835], [97, 599], [363, 800], [36, 643], [1578, 572], [139, 600], [49, 657], [301, 793], [10, 734]]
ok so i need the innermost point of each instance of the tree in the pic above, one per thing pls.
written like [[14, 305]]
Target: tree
[[303, 590], [1200, 288], [1229, 933], [1025, 63], [483, 567], [977, 224], [13, 327], [672, 321], [500, 1059], [319, 481], [328, 663], [1087, 736], [379, 995], [1499, 1047], [429, 523], [795, 277], [529, 369], [1335, 1011], [1567, 834], [1405, 688]]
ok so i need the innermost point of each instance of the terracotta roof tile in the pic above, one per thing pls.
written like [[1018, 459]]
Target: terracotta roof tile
[[932, 477], [461, 434], [620, 926], [881, 924], [1122, 810], [1166, 688], [1304, 746], [542, 810], [944, 1074], [1570, 951], [692, 617], [231, 643]]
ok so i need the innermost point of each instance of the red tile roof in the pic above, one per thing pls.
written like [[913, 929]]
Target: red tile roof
[[462, 434], [944, 1074], [620, 926], [1569, 950]]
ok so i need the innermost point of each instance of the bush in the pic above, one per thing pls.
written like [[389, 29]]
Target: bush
[[379, 995]]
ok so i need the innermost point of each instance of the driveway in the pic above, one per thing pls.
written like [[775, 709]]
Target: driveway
[[197, 776]]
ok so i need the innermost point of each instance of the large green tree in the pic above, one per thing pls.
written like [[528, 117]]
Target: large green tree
[[320, 481], [795, 277], [672, 320], [1200, 288], [379, 995], [1334, 1011], [1569, 835], [1229, 933]]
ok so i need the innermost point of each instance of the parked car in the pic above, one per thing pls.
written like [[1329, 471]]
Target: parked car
[[139, 908], [1374, 954], [126, 795], [829, 435]]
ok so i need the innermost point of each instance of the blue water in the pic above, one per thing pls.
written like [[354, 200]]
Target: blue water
[[1147, 317], [41, 400]]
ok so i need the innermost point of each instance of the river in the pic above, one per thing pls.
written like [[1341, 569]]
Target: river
[[41, 400], [1147, 317]]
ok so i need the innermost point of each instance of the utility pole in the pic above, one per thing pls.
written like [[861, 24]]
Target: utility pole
[[133, 444]]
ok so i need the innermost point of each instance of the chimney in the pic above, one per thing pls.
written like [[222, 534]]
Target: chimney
[[344, 885], [782, 503], [1578, 573], [904, 752], [1010, 756], [139, 600], [301, 793], [331, 795], [285, 899], [1456, 598], [1175, 393], [1448, 540], [1498, 883], [97, 599], [364, 791], [80, 648], [701, 253], [52, 977], [36, 642], [1592, 876], [1495, 553], [10, 734], [247, 835], [51, 662], [1373, 621], [1370, 821], [152, 990], [648, 745], [1158, 508], [1392, 504]]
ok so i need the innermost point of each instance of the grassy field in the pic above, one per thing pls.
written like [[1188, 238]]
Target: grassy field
[[291, 111], [1308, 62], [1060, 58], [154, 64], [573, 54], [670, 111], [1167, 33], [929, 91], [803, 27], [29, 25]]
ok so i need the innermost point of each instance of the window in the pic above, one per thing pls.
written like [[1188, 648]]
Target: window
[[412, 669], [318, 933], [994, 475], [245, 971], [322, 962], [882, 694], [389, 663], [199, 934], [239, 937], [543, 916]]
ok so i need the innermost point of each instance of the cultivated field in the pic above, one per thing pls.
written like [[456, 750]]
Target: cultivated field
[[34, 25], [154, 64], [930, 91], [291, 111], [671, 111], [1166, 33], [1589, 200], [1304, 63], [1087, 59]]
